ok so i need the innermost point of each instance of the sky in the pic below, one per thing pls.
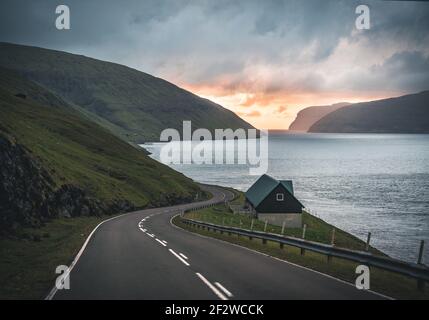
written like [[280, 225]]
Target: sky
[[264, 60]]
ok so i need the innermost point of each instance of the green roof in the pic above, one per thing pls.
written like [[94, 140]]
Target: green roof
[[288, 185], [263, 187]]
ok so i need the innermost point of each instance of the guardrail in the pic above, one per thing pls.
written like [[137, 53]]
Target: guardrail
[[417, 271]]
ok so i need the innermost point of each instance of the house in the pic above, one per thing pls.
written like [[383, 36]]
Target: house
[[273, 201]]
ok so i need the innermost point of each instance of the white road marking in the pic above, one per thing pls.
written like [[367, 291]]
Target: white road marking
[[54, 290], [160, 242], [225, 290], [150, 235], [212, 287], [183, 256], [179, 257], [164, 242]]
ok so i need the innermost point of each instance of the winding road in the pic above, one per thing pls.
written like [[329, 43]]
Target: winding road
[[141, 255]]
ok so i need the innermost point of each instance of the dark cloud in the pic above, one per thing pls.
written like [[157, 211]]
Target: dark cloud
[[267, 47], [405, 71]]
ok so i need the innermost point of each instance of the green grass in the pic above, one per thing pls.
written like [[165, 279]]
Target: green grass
[[388, 283], [76, 151], [28, 262], [317, 229]]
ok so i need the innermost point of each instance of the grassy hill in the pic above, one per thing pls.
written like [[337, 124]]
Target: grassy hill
[[134, 105], [405, 114], [54, 162]]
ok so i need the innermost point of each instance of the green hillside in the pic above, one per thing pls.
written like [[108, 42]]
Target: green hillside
[[134, 105], [55, 163]]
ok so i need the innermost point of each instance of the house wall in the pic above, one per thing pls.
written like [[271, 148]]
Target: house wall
[[270, 204], [293, 220]]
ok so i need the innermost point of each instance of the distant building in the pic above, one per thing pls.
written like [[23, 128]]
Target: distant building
[[273, 201]]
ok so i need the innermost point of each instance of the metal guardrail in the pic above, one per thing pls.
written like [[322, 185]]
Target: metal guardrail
[[417, 271]]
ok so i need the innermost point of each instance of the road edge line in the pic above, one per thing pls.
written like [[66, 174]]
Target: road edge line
[[54, 290]]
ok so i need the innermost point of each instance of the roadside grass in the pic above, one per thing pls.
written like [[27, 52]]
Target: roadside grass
[[317, 229], [28, 261], [385, 282]]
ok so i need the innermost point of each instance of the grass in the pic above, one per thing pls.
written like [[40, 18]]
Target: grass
[[76, 151], [388, 283], [317, 229], [27, 266]]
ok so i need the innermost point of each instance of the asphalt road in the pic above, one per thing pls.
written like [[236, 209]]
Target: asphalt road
[[142, 256]]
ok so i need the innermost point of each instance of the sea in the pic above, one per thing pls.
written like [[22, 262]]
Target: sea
[[361, 183]]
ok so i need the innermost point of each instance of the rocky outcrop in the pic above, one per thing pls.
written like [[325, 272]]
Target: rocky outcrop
[[24, 187]]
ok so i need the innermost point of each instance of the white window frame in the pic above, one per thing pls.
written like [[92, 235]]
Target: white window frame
[[280, 197]]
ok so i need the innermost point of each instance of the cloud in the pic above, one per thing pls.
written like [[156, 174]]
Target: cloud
[[253, 113], [281, 109], [247, 53]]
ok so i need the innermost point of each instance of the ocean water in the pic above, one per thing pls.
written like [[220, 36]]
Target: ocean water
[[361, 183]]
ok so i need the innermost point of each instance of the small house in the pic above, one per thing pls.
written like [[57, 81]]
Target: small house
[[273, 200]]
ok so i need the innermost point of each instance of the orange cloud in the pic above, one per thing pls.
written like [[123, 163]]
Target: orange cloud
[[279, 106], [253, 113], [281, 109]]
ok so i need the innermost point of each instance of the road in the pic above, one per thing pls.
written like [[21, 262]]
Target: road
[[142, 256]]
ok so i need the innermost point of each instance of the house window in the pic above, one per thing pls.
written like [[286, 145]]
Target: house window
[[280, 197]]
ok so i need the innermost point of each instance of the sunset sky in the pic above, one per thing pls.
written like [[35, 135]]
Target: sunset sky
[[265, 60]]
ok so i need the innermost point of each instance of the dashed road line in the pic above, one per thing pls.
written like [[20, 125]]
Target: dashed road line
[[225, 290], [183, 256], [162, 243], [219, 294], [179, 257]]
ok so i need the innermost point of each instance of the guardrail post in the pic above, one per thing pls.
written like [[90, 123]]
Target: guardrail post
[[223, 222], [333, 237], [283, 227], [281, 245], [251, 225], [304, 229], [302, 251], [421, 283], [420, 258], [264, 241], [265, 227], [368, 239]]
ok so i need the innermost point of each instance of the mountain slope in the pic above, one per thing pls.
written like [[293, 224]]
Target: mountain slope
[[308, 116], [54, 163], [132, 104], [405, 114]]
